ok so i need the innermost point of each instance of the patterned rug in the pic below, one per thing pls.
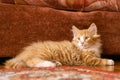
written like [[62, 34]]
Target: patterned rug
[[58, 73]]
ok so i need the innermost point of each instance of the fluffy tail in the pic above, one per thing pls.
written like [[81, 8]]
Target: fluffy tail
[[13, 63]]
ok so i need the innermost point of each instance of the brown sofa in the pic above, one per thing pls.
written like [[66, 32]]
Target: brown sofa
[[22, 23]]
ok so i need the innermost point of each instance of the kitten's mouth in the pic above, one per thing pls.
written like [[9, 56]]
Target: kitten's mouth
[[86, 47], [83, 46]]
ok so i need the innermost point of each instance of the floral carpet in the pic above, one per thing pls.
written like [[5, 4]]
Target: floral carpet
[[58, 73]]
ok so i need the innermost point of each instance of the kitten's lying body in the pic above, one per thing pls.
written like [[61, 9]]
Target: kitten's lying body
[[85, 49]]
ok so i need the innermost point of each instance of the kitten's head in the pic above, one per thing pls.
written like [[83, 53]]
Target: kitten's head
[[86, 38]]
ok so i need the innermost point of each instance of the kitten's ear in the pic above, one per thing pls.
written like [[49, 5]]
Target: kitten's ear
[[93, 29], [75, 30]]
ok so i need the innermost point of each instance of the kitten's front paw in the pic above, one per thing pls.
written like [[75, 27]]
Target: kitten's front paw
[[57, 63], [110, 62]]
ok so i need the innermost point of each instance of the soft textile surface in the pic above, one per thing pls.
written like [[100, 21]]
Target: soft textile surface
[[7, 1], [22, 25], [24, 2], [86, 5], [81, 5], [59, 73]]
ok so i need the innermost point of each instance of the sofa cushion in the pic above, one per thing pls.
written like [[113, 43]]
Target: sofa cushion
[[80, 5], [85, 5], [32, 2], [7, 1], [24, 2], [21, 25]]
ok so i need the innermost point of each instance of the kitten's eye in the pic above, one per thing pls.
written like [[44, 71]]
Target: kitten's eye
[[86, 37], [79, 38]]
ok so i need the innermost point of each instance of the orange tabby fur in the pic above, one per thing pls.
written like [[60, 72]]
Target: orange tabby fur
[[85, 49]]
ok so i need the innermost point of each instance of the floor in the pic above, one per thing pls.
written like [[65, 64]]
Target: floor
[[115, 68]]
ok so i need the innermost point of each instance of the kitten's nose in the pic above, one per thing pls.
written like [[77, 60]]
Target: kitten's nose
[[82, 43]]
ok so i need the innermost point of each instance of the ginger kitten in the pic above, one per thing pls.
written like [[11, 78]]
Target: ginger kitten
[[85, 49]]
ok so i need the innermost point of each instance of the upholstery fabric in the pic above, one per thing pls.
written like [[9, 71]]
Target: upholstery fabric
[[21, 25], [80, 5], [86, 5]]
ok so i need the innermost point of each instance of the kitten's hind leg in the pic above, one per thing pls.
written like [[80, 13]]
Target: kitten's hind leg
[[45, 64], [37, 62]]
